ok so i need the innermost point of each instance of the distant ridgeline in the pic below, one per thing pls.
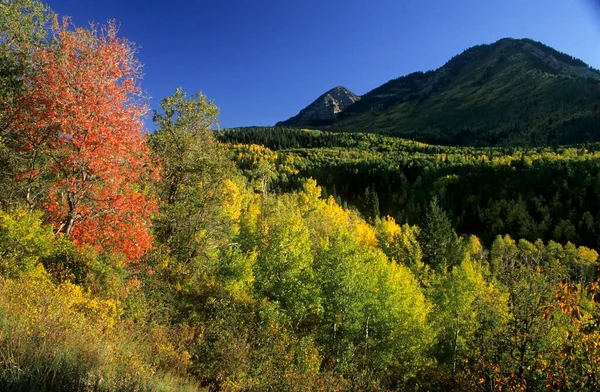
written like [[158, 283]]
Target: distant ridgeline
[[511, 92], [544, 192]]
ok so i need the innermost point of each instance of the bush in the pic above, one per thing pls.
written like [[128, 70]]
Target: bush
[[60, 338]]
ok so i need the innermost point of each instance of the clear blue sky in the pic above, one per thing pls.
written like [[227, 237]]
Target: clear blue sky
[[262, 61]]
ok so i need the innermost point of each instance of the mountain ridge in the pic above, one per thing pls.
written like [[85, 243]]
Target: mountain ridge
[[513, 91]]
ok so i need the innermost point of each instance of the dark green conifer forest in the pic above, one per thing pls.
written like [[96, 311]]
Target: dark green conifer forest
[[273, 258]]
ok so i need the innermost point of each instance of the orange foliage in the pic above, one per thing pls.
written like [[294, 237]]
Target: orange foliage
[[82, 113], [576, 365]]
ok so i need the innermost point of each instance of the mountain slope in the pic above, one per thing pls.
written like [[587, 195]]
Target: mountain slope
[[324, 109], [515, 91]]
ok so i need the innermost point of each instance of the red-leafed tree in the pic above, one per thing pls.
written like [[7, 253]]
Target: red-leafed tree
[[79, 122]]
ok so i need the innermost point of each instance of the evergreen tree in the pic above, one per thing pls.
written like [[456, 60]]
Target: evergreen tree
[[370, 204], [440, 244]]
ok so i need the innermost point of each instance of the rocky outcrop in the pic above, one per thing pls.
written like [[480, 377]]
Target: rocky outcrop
[[579, 71], [324, 109]]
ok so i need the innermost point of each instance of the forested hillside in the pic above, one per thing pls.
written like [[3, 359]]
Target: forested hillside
[[271, 259], [511, 92], [547, 192]]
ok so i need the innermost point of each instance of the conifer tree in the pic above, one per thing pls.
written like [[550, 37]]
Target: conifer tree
[[440, 245]]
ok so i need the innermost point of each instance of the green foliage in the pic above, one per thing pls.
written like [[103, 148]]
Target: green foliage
[[23, 27], [24, 242], [401, 244], [370, 305], [291, 292], [469, 313], [530, 278], [370, 204], [191, 187], [283, 269], [546, 193], [441, 248], [489, 315]]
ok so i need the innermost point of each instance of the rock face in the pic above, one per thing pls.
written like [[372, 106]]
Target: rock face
[[324, 109]]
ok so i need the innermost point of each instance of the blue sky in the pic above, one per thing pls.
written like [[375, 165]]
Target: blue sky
[[262, 61]]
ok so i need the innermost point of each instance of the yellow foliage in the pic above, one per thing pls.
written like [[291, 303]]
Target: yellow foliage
[[388, 228], [56, 334], [36, 298], [232, 200], [250, 214], [364, 232], [311, 195], [474, 248], [587, 256]]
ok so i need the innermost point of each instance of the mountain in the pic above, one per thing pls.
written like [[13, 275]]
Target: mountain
[[324, 109], [511, 92]]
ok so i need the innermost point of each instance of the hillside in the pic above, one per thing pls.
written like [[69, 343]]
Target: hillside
[[512, 92]]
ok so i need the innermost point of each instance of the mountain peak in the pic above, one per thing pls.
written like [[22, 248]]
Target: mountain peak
[[324, 109], [339, 89], [515, 90]]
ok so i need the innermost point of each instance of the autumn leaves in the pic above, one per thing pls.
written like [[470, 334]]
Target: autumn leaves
[[79, 126]]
